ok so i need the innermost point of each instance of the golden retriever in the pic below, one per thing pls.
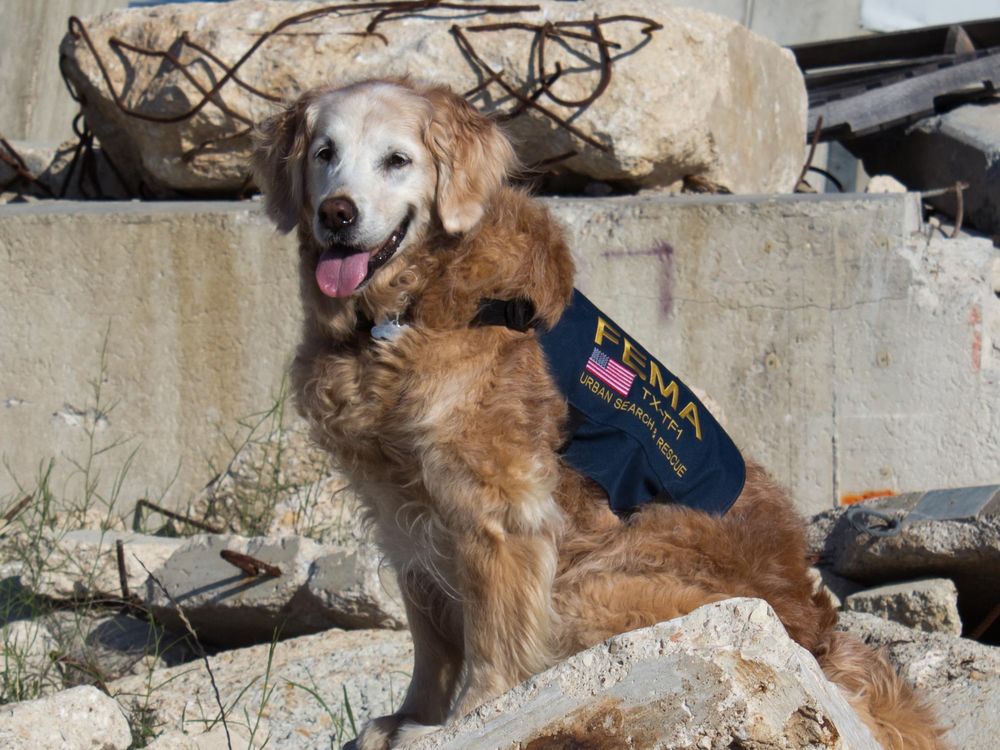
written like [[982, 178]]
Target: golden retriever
[[508, 559]]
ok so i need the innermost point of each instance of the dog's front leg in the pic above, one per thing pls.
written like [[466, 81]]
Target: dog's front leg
[[436, 663], [503, 523], [507, 611]]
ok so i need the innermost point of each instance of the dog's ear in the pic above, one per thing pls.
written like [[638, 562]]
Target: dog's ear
[[473, 158], [280, 144]]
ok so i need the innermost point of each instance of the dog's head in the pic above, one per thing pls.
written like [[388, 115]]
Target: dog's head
[[367, 171]]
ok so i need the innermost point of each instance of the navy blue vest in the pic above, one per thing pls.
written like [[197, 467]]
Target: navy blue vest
[[639, 431]]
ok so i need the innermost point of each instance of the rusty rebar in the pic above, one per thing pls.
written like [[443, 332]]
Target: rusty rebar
[[587, 31], [144, 503], [251, 566], [9, 155]]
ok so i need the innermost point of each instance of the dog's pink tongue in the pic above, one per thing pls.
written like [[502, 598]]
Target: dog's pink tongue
[[338, 276]]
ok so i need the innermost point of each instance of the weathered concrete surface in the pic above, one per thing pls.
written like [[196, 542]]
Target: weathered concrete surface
[[958, 677], [82, 718], [707, 98], [726, 675], [35, 104], [364, 672], [930, 604], [797, 315], [960, 146]]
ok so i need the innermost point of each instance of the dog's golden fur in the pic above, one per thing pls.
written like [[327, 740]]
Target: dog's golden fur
[[508, 559]]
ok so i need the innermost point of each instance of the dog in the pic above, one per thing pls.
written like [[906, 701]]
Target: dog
[[509, 560]]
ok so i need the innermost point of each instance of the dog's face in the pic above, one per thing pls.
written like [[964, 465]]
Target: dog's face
[[369, 170]]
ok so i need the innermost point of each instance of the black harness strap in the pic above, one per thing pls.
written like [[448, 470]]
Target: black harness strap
[[516, 314]]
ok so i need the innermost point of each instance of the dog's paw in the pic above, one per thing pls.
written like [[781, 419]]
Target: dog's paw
[[389, 732], [376, 734], [411, 730]]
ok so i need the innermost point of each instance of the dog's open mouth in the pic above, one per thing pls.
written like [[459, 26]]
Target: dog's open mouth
[[343, 269]]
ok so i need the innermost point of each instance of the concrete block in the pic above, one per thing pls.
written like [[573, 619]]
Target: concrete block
[[318, 588], [726, 675], [962, 145], [930, 605], [799, 315]]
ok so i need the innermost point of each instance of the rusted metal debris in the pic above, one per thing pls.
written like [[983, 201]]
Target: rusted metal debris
[[15, 510], [250, 566], [144, 503], [534, 98]]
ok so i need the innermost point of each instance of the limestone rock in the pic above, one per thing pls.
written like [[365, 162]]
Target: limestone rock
[[930, 605], [82, 717], [727, 675], [321, 684], [690, 95], [960, 678]]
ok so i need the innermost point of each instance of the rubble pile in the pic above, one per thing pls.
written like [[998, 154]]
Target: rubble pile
[[687, 79], [324, 646]]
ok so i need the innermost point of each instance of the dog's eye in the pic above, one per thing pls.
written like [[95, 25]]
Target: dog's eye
[[324, 153], [397, 160]]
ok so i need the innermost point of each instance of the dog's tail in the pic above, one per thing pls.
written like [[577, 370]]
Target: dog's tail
[[895, 715]]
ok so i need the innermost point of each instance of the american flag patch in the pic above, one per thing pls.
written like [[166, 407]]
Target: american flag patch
[[610, 371]]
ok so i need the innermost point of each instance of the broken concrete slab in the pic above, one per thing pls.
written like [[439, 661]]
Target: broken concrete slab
[[959, 677], [321, 684], [778, 307], [725, 675], [960, 146], [692, 82], [963, 546], [82, 718], [930, 604], [317, 587]]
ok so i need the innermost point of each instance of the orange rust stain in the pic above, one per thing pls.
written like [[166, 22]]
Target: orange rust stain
[[859, 497], [975, 318]]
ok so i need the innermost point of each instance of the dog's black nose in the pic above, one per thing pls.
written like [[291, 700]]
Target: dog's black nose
[[337, 213]]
